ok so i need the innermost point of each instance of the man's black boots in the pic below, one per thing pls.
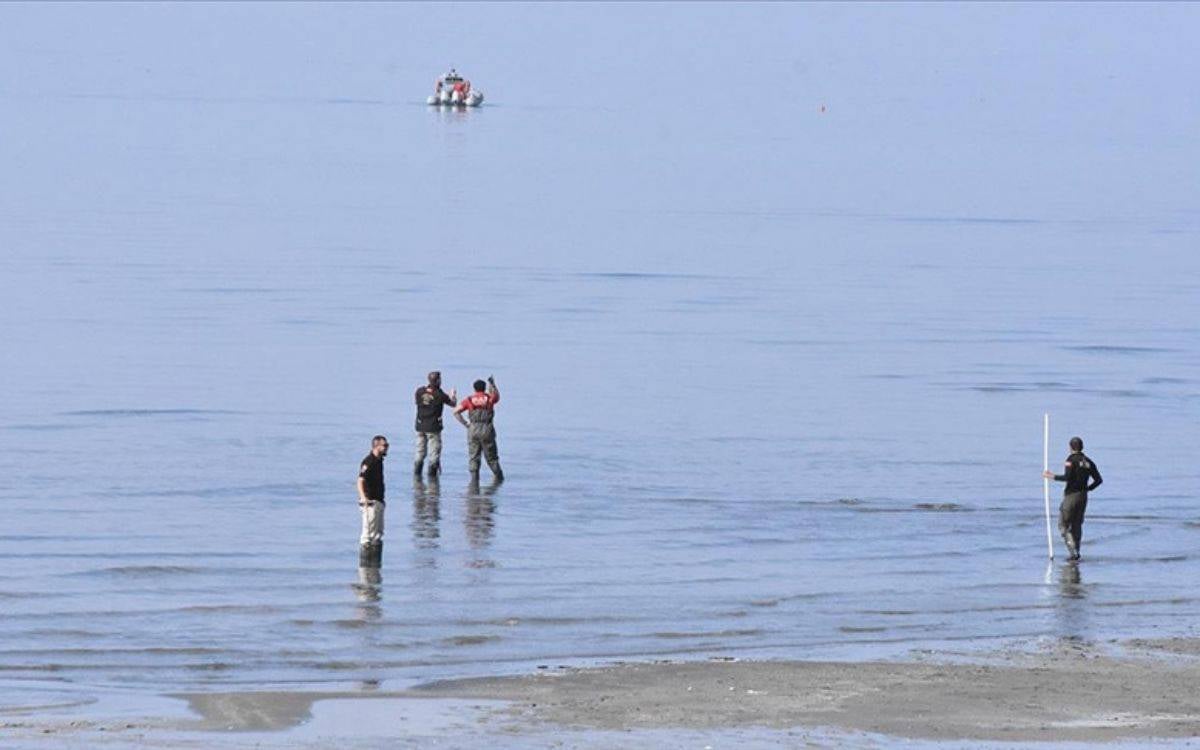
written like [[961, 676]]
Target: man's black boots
[[1072, 552]]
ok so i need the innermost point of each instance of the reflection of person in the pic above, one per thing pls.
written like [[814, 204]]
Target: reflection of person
[[430, 400], [1071, 610], [371, 503], [1070, 582], [481, 432], [1078, 469], [481, 511], [368, 593], [426, 512]]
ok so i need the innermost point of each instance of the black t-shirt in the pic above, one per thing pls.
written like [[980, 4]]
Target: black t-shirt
[[1077, 470], [430, 402], [371, 472]]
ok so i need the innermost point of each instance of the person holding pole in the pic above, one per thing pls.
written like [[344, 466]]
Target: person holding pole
[[1078, 470], [1046, 482]]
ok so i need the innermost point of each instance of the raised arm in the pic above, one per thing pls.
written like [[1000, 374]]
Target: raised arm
[[493, 391]]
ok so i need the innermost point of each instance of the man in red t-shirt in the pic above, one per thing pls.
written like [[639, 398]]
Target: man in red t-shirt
[[481, 433]]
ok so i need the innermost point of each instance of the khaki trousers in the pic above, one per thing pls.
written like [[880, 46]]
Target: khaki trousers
[[372, 522], [428, 444]]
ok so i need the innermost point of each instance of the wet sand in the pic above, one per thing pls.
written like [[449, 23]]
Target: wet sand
[[1141, 689], [1071, 695]]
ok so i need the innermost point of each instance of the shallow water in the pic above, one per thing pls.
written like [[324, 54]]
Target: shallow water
[[773, 377]]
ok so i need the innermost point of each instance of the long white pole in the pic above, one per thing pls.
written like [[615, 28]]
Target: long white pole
[[1046, 482]]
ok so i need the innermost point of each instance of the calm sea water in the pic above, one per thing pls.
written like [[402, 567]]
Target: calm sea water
[[775, 320]]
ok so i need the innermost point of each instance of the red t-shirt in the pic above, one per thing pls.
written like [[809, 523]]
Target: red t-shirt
[[480, 401]]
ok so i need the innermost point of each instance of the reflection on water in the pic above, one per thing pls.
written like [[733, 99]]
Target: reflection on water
[[1072, 608], [480, 516], [426, 513], [479, 519], [1070, 581], [369, 591]]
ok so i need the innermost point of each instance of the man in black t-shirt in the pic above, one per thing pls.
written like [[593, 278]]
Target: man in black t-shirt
[[431, 399], [1078, 470], [371, 504]]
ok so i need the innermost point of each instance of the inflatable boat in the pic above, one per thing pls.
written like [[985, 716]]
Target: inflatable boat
[[452, 90]]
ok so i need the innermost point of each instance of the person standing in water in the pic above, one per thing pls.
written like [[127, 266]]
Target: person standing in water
[[1078, 470], [371, 504], [430, 400], [481, 432]]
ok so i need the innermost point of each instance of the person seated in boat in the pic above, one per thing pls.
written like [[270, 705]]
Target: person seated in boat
[[460, 89]]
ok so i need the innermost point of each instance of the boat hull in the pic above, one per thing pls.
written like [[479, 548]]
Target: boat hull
[[447, 99]]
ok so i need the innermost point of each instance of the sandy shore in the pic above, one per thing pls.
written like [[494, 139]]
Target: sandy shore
[[1074, 695], [1146, 690]]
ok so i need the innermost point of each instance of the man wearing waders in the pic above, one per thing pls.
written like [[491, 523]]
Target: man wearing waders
[[370, 502], [481, 433], [1077, 471], [430, 400]]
